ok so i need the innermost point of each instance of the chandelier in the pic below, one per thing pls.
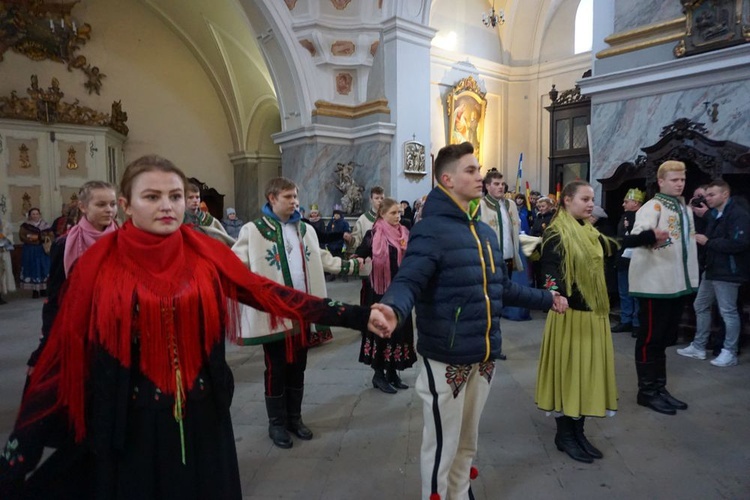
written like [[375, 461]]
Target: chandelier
[[493, 18], [59, 15]]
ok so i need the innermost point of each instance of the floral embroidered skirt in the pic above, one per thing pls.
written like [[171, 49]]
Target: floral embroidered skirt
[[576, 375], [34, 268], [396, 352]]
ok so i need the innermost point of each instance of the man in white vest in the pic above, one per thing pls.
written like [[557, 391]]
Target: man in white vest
[[502, 216], [663, 272]]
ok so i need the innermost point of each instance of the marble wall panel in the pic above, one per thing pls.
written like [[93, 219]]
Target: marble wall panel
[[312, 167], [620, 129], [630, 14]]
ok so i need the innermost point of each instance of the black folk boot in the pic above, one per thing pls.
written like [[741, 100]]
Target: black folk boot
[[648, 395], [661, 386], [294, 422], [565, 440], [392, 377], [276, 408], [379, 382], [582, 441]]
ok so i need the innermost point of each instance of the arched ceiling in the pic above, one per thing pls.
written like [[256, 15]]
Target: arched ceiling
[[223, 41], [223, 35]]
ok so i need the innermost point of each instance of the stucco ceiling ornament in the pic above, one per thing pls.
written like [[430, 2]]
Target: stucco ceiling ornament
[[30, 28], [290, 4], [344, 83], [343, 48], [47, 106], [374, 47], [307, 44], [340, 4]]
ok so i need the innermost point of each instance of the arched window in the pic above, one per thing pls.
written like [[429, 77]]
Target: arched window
[[584, 35]]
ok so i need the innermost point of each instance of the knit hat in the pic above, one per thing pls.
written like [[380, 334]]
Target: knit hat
[[635, 194], [231, 211]]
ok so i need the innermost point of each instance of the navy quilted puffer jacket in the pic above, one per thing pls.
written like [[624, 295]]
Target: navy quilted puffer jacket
[[454, 274]]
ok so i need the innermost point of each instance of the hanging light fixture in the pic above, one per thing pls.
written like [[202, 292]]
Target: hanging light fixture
[[59, 15], [493, 18]]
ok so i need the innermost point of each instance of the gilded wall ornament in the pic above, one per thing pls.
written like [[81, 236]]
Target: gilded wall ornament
[[72, 163], [467, 107], [26, 202], [47, 106], [28, 28], [23, 156], [713, 25]]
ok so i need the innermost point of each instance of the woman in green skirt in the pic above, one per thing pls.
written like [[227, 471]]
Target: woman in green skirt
[[576, 375]]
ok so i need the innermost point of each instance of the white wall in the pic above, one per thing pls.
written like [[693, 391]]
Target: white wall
[[516, 121]]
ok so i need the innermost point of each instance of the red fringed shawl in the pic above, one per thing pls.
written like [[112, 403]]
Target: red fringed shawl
[[176, 292]]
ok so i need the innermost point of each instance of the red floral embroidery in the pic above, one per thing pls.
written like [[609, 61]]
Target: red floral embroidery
[[456, 376], [550, 283], [486, 370]]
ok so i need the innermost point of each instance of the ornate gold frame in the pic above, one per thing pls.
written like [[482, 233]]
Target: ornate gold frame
[[467, 107], [714, 25], [47, 106]]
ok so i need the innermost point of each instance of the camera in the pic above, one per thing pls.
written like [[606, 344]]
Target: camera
[[698, 201]]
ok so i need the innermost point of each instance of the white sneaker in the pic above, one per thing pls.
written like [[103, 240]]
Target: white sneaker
[[691, 352], [726, 358]]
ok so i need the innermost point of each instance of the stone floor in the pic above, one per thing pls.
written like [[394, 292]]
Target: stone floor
[[366, 443]]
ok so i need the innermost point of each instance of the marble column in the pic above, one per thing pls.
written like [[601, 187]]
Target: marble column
[[251, 173]]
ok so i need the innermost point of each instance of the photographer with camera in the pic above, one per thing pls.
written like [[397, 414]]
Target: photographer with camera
[[700, 208], [726, 241]]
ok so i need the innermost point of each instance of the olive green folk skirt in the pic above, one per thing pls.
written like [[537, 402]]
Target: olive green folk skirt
[[576, 375]]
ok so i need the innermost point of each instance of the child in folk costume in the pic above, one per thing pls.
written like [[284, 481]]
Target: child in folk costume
[[281, 247], [386, 244]]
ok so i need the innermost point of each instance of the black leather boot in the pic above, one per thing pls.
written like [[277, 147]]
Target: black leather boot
[[648, 395], [393, 379], [379, 382], [582, 441], [661, 386], [294, 422], [276, 408], [565, 440]]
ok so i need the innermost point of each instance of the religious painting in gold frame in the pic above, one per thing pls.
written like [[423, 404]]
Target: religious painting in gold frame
[[467, 107]]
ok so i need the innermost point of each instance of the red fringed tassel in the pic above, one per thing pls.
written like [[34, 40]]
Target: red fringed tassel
[[435, 496], [473, 473]]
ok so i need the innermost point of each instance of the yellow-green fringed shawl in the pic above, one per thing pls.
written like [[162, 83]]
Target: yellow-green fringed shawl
[[582, 258]]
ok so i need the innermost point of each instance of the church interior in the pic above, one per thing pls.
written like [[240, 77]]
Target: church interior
[[236, 92]]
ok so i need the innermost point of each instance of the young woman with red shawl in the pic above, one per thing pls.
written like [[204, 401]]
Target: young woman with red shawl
[[135, 363], [386, 244]]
